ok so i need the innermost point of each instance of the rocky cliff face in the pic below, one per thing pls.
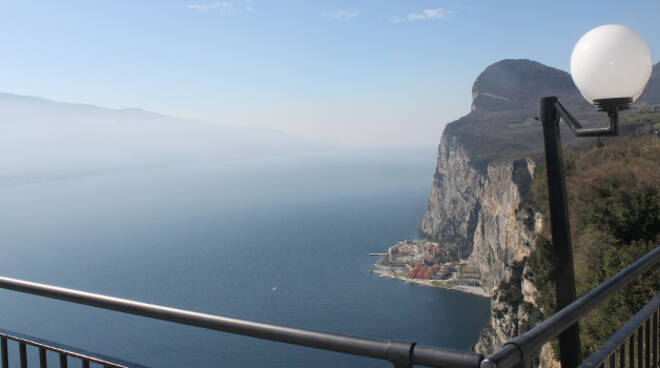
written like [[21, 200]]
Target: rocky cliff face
[[487, 218], [482, 215], [479, 203], [454, 203], [485, 215], [506, 223]]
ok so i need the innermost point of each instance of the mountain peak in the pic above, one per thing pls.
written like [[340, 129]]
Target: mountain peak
[[651, 94], [516, 84], [505, 100]]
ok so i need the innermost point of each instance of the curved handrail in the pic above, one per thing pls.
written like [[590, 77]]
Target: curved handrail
[[402, 354]]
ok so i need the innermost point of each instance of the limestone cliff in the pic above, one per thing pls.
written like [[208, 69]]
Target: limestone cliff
[[482, 215], [479, 201], [506, 223], [454, 203], [480, 198], [487, 217]]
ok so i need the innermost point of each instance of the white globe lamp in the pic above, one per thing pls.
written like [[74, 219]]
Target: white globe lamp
[[611, 65]]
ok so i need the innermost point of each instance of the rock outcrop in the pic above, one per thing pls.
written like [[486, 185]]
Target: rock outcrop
[[480, 198], [454, 203], [487, 218], [482, 215], [506, 223], [486, 163]]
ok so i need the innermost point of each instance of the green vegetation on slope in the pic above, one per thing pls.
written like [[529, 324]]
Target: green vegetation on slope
[[614, 203]]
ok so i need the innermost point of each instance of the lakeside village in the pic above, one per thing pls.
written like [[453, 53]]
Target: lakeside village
[[428, 263]]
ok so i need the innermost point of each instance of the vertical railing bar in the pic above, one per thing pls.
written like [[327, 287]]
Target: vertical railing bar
[[63, 361], [22, 351], [613, 360], [4, 352], [85, 363], [640, 347], [631, 350], [43, 363], [622, 355], [654, 337], [647, 342], [42, 349]]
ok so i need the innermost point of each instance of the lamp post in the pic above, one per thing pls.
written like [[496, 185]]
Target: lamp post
[[611, 65]]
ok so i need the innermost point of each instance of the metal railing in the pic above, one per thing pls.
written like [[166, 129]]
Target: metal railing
[[63, 352], [613, 352], [401, 354]]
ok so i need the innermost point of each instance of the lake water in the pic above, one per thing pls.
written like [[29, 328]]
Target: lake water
[[281, 239]]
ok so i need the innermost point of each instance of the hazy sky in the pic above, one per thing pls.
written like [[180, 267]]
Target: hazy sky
[[377, 72]]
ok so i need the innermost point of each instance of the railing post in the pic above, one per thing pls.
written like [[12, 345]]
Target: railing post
[[4, 356], [654, 338], [63, 360], [562, 254], [43, 361], [22, 351]]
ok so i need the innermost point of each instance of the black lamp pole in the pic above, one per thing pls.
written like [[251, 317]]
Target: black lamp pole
[[551, 111]]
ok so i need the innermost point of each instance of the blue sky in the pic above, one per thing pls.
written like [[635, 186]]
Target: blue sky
[[387, 72]]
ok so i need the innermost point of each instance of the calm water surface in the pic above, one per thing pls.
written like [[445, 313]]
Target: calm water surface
[[283, 240]]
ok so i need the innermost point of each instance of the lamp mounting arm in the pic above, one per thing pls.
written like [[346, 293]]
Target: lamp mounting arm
[[611, 106]]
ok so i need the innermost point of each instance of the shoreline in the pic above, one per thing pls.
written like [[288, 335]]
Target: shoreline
[[384, 272]]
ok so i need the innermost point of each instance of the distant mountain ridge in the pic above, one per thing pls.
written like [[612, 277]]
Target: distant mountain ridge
[[505, 101], [651, 94], [42, 139], [517, 85]]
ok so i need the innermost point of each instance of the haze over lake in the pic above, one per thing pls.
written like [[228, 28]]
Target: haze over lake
[[282, 239]]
